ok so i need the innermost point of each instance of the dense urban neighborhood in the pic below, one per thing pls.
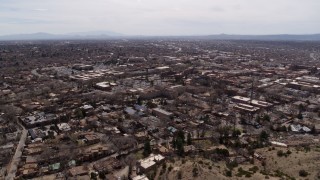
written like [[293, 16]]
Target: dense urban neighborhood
[[159, 108]]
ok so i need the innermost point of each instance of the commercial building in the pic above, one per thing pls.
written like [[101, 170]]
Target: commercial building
[[162, 114]]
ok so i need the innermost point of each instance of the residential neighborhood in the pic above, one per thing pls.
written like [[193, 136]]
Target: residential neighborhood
[[159, 109]]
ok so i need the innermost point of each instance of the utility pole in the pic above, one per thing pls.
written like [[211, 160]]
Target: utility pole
[[251, 94]]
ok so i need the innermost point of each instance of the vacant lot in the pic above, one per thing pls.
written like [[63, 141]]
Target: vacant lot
[[203, 169], [292, 160]]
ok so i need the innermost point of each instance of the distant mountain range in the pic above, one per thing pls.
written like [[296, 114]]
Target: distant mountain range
[[283, 37], [68, 36], [113, 35]]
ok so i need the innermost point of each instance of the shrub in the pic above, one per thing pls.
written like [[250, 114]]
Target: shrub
[[232, 165], [102, 175], [229, 173], [289, 152], [164, 166], [254, 169], [303, 173], [179, 175], [280, 153], [93, 175], [195, 172]]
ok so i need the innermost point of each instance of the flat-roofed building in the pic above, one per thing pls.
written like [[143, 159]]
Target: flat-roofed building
[[77, 171], [140, 177], [304, 86], [240, 99], [82, 67], [162, 114], [261, 104], [247, 101], [103, 86], [149, 163], [246, 108]]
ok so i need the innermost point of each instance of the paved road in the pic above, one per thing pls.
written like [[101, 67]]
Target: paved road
[[17, 156], [313, 56]]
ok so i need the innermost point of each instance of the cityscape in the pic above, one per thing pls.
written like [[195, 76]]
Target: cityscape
[[121, 106], [159, 109]]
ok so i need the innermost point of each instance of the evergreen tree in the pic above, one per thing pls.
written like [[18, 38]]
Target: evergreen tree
[[147, 148], [189, 140], [236, 133], [180, 135], [180, 147], [139, 101], [174, 143], [264, 136], [266, 117]]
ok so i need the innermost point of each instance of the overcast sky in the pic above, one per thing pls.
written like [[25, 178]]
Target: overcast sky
[[161, 17]]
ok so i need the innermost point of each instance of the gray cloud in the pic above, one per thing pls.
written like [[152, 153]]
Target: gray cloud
[[217, 9], [40, 9], [161, 17]]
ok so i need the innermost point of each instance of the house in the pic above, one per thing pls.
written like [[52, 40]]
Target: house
[[163, 150], [38, 119], [312, 107], [54, 167], [141, 136], [258, 156], [172, 130], [140, 177], [174, 91], [81, 67], [317, 128], [246, 108], [84, 177], [88, 109], [107, 166], [298, 128], [237, 159], [189, 148], [78, 171], [130, 111], [105, 86], [91, 138], [27, 172], [64, 127], [140, 108]]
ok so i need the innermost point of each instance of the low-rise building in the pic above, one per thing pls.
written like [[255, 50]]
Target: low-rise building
[[78, 171], [144, 165], [162, 114]]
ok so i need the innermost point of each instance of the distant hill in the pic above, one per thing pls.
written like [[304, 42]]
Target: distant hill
[[95, 33], [113, 35], [279, 37]]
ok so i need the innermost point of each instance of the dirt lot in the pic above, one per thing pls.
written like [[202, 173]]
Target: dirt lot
[[285, 166], [205, 170], [291, 164]]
